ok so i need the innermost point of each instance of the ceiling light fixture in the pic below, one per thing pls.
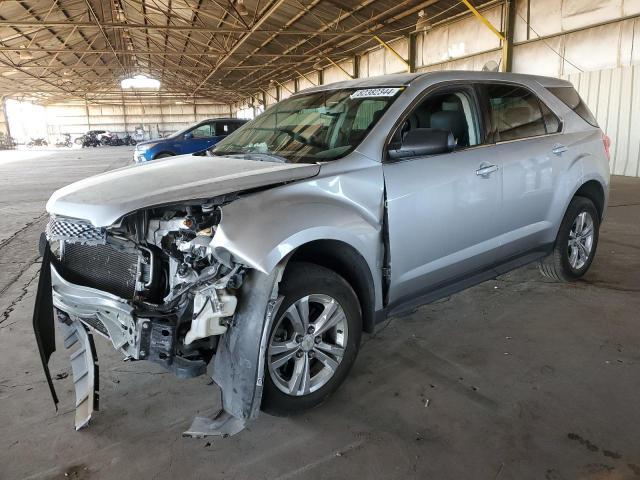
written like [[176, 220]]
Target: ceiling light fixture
[[140, 81]]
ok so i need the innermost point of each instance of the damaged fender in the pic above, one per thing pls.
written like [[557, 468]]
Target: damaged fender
[[239, 362]]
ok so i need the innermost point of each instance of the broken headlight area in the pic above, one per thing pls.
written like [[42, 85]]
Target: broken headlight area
[[151, 284]]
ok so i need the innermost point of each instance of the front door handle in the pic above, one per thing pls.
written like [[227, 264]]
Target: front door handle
[[558, 148], [486, 170]]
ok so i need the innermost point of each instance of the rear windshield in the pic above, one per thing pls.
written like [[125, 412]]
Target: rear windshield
[[571, 99]]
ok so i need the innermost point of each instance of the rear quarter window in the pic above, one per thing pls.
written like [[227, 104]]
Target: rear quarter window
[[571, 99]]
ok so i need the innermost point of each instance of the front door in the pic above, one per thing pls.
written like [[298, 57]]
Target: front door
[[201, 138], [443, 210]]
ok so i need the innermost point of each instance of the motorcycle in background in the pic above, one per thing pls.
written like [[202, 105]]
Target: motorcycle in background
[[37, 142], [64, 141], [129, 140], [89, 139]]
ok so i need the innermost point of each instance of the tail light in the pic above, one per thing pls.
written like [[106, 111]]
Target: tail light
[[607, 145]]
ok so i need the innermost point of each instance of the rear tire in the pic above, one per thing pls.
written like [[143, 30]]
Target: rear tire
[[575, 244], [307, 361]]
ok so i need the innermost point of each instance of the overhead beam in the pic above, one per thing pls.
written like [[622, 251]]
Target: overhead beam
[[158, 52], [187, 28], [268, 12]]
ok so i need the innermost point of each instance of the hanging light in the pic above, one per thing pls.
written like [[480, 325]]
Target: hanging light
[[423, 24]]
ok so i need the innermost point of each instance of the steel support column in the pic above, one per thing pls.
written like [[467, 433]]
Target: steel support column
[[509, 23]]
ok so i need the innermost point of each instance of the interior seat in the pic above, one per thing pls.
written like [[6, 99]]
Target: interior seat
[[453, 121]]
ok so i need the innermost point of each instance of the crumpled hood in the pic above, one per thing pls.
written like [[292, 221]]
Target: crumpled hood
[[104, 198]]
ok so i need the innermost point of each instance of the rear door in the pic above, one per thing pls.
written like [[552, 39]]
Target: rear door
[[224, 128], [443, 210], [528, 142]]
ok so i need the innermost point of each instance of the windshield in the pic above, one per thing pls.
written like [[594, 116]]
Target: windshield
[[311, 128]]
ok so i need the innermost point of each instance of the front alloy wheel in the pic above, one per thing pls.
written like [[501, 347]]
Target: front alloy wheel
[[307, 344], [313, 341]]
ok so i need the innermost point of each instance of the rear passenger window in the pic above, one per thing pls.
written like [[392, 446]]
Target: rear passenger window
[[571, 99], [517, 113], [223, 128]]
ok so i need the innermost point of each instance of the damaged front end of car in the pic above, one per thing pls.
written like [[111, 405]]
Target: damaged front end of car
[[158, 289]]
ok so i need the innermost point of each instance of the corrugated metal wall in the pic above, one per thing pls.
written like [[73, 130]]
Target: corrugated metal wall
[[4, 124], [156, 116], [614, 98]]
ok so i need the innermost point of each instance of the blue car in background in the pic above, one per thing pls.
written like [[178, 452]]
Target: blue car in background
[[195, 138]]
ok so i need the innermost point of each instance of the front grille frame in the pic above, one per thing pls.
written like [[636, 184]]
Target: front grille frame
[[105, 267], [75, 230]]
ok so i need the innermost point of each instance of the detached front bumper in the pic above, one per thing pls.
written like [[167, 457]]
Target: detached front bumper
[[107, 314], [238, 365]]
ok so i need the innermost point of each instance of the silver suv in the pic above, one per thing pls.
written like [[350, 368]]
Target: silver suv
[[263, 260]]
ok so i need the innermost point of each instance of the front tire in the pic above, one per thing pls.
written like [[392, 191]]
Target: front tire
[[313, 341], [575, 244], [163, 155]]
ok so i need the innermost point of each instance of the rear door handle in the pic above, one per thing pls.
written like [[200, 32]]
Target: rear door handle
[[558, 148], [486, 170]]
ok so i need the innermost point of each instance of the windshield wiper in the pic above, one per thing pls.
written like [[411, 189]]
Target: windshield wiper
[[260, 156]]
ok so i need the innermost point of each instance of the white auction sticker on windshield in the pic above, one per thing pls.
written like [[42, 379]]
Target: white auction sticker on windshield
[[375, 92]]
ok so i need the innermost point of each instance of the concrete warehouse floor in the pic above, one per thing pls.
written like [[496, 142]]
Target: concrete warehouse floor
[[516, 378]]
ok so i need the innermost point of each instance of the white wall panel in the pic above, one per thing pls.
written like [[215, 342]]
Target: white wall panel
[[376, 62], [311, 80], [614, 98], [581, 13], [470, 36], [334, 74], [393, 64], [630, 7], [538, 57], [155, 116], [592, 49]]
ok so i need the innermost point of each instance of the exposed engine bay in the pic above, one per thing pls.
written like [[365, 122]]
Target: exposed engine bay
[[181, 293]]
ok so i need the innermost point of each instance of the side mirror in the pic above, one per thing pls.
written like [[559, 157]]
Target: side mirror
[[188, 136], [423, 141]]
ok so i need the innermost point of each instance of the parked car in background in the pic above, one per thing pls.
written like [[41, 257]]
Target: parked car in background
[[195, 138], [333, 210]]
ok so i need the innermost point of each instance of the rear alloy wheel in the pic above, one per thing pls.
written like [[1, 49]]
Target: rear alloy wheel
[[575, 244], [313, 340]]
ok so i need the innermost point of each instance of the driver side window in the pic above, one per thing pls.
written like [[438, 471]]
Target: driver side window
[[203, 131], [453, 111]]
